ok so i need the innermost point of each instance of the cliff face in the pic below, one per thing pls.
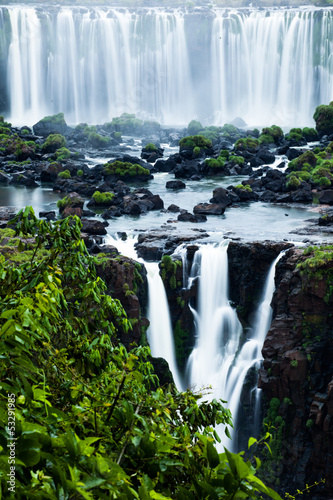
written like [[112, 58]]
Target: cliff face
[[298, 371], [126, 280]]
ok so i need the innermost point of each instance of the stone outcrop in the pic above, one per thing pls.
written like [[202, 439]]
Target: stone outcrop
[[298, 369], [126, 280]]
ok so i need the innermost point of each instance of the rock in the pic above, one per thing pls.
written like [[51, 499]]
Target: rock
[[24, 179], [209, 209], [116, 273], [91, 226], [72, 211], [187, 169], [4, 178], [112, 212], [54, 124], [156, 201], [173, 208], [266, 156], [175, 185], [326, 220], [267, 196], [302, 196], [165, 165], [49, 215], [152, 245], [326, 197], [50, 171], [186, 216], [222, 196], [73, 200]]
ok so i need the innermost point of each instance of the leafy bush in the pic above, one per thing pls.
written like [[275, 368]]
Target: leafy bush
[[192, 141], [215, 163], [293, 182], [53, 142], [79, 173], [103, 198], [237, 160], [122, 169], [247, 143], [91, 419], [150, 147], [65, 174], [98, 141], [194, 127], [62, 154]]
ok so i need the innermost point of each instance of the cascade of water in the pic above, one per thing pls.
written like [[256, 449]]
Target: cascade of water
[[95, 63], [159, 333], [268, 56], [219, 358]]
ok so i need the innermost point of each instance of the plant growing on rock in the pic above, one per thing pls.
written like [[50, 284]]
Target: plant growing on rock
[[124, 169], [53, 142], [323, 116], [103, 199], [64, 175], [150, 147], [194, 127], [62, 154], [192, 141], [92, 421], [215, 163], [247, 143]]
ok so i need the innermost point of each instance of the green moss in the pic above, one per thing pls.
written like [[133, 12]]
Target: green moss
[[293, 182], [215, 163], [127, 124], [224, 153], [150, 147], [309, 134], [97, 140], [122, 169], [237, 160], [266, 139], [53, 142], [244, 188], [79, 173], [192, 141], [323, 116], [62, 154], [274, 132], [247, 143], [103, 198], [194, 127], [319, 267], [65, 174], [56, 119]]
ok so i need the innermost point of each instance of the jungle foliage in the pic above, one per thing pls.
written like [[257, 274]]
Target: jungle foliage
[[91, 418]]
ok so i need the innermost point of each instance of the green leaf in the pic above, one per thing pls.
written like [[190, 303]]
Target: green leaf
[[252, 440], [212, 455]]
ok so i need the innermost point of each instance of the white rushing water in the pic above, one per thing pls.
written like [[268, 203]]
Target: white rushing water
[[266, 66], [221, 359], [160, 332]]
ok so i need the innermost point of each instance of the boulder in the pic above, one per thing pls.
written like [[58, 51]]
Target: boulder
[[54, 124], [177, 184], [92, 226], [209, 209], [221, 196], [326, 197]]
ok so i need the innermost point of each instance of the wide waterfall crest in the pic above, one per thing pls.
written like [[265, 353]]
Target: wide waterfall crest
[[266, 66]]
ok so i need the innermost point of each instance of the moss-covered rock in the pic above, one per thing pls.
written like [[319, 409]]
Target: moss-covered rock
[[53, 142], [323, 116], [192, 141], [125, 170], [54, 124], [250, 144]]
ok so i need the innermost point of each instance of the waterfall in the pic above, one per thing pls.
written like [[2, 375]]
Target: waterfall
[[159, 333], [266, 66], [222, 358]]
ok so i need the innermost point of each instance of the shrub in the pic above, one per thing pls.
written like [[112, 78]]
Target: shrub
[[62, 154], [323, 116], [237, 160], [194, 127], [247, 143], [65, 174], [244, 188], [98, 141], [192, 141], [293, 182], [79, 173], [103, 198], [53, 142], [122, 169], [215, 163], [274, 131], [150, 147], [324, 181]]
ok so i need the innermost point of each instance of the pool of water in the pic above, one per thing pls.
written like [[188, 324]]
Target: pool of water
[[248, 221]]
